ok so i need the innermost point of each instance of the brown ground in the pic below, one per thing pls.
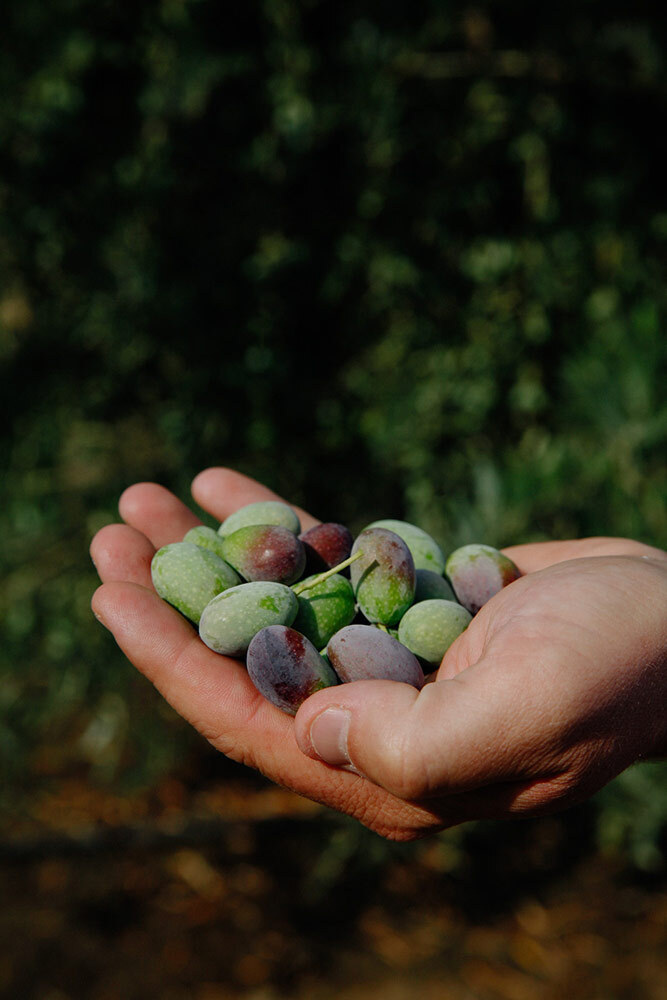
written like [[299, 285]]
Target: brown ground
[[227, 887]]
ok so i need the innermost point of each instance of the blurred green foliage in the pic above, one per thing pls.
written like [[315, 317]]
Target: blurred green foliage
[[393, 259]]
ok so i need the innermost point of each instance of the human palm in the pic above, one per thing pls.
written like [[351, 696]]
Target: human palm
[[556, 686]]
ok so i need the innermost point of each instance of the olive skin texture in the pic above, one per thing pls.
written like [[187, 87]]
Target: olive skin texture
[[325, 608], [230, 621], [188, 577], [425, 551], [477, 573], [286, 668], [261, 512], [363, 652], [430, 586], [265, 552], [326, 545], [205, 537], [429, 628], [383, 577]]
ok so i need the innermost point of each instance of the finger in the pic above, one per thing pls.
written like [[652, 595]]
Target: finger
[[539, 555], [222, 491], [120, 552], [156, 513], [203, 686], [453, 736]]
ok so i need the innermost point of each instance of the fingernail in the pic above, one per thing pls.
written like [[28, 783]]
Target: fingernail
[[328, 736]]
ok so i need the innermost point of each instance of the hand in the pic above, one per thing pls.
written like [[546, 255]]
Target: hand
[[556, 686]]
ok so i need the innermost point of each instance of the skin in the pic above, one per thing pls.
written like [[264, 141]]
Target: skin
[[558, 684]]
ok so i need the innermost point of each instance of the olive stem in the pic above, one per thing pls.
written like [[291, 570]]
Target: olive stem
[[299, 588]]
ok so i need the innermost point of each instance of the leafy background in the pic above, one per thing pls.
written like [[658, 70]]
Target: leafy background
[[392, 259]]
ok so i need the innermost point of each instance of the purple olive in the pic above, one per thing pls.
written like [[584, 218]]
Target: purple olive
[[286, 668], [265, 552], [326, 546], [477, 573], [363, 652]]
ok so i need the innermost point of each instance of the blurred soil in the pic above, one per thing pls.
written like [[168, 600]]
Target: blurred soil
[[217, 885]]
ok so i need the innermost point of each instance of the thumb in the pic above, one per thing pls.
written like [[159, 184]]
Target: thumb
[[452, 736]]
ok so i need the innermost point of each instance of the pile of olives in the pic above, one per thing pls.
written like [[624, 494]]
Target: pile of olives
[[312, 609]]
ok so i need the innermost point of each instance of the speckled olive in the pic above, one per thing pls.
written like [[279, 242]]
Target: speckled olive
[[229, 622]]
